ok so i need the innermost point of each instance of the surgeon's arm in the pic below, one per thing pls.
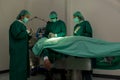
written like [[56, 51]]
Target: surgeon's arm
[[63, 31], [88, 31]]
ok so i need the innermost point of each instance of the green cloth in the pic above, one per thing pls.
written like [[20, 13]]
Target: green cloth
[[78, 46], [102, 63], [84, 30], [18, 49], [58, 28]]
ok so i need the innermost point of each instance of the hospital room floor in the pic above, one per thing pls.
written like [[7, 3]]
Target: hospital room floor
[[5, 76]]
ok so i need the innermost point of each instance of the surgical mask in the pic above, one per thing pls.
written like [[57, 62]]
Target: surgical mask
[[54, 20], [25, 20], [76, 20]]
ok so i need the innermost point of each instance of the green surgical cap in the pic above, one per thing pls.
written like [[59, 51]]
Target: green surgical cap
[[78, 14], [23, 13], [53, 14]]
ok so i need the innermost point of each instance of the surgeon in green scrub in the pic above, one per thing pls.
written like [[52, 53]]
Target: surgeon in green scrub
[[19, 36], [54, 28], [82, 28]]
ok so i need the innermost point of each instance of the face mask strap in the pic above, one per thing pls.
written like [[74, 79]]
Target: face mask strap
[[53, 18]]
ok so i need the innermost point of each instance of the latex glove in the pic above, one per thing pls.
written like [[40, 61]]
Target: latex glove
[[51, 35], [29, 31]]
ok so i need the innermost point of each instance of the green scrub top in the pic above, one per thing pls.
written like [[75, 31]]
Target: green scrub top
[[84, 29], [58, 28]]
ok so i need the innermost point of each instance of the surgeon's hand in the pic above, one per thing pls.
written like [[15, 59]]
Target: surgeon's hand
[[51, 35], [30, 31]]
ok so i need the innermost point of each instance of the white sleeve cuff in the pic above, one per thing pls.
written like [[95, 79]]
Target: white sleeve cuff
[[55, 35], [28, 31], [45, 58]]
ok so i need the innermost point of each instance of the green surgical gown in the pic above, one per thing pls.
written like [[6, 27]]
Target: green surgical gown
[[58, 28], [18, 49], [84, 30]]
